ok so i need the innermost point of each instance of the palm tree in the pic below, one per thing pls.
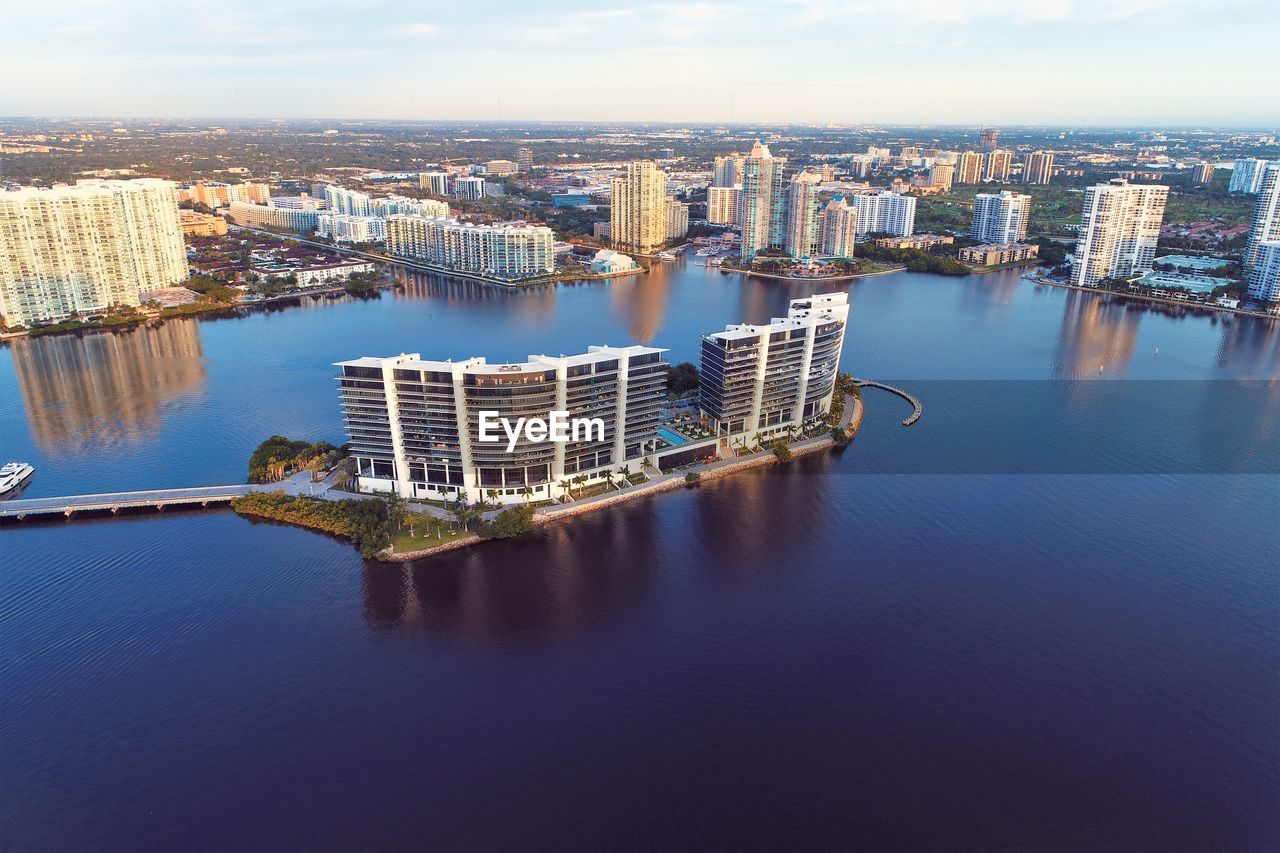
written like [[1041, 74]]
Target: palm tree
[[493, 495], [580, 480], [625, 473], [564, 487], [527, 491]]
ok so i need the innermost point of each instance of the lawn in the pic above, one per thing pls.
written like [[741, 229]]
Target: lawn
[[403, 541]]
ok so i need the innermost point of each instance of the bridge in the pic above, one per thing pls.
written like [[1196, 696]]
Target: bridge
[[115, 501], [910, 398]]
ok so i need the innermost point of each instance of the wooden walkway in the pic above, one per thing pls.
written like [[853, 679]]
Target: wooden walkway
[[910, 398]]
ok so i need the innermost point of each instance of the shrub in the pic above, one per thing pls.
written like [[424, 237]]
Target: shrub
[[512, 521], [364, 522], [781, 450], [693, 478]]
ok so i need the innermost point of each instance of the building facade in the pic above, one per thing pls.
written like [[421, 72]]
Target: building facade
[[1038, 168], [1264, 229], [884, 212], [996, 165], [839, 228], [677, 219], [1000, 217], [994, 254], [345, 202], [414, 425], [942, 175], [342, 228], [764, 202], [79, 250], [637, 208], [214, 195], [500, 168], [1119, 228], [968, 167], [1246, 175], [727, 170], [468, 189], [802, 207], [724, 205], [506, 252], [272, 216], [524, 160], [1263, 276], [915, 241], [436, 183], [1202, 173], [771, 378]]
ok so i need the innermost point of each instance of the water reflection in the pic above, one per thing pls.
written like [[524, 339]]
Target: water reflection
[[643, 299], [1097, 336], [535, 301], [106, 389], [558, 580]]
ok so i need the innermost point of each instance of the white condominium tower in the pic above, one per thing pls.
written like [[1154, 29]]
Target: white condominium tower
[[506, 252], [996, 165], [1119, 227], [764, 203], [468, 189], [436, 183], [1264, 230], [1246, 175], [82, 249], [768, 379], [1264, 274], [802, 208], [1038, 168], [347, 202], [968, 168], [727, 171], [1000, 217], [414, 425], [885, 212], [638, 208]]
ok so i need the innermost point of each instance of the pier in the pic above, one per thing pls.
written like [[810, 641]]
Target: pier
[[910, 398], [113, 502]]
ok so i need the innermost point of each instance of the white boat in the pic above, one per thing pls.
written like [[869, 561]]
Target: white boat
[[665, 256], [13, 476]]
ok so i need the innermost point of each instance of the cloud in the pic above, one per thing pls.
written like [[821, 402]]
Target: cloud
[[421, 30]]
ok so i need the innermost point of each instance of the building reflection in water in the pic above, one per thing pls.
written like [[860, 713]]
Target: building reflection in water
[[1097, 336], [588, 570], [533, 301], [106, 389], [642, 300], [1250, 347]]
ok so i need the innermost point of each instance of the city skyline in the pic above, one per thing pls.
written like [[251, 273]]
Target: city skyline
[[293, 60]]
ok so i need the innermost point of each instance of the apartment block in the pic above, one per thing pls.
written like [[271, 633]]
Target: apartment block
[[996, 166], [1264, 230], [802, 207], [274, 216], [508, 252], [994, 254], [414, 425], [1246, 175], [638, 208], [724, 205], [770, 378], [79, 250], [1119, 229], [764, 202], [436, 183], [1000, 217], [1038, 168], [968, 168]]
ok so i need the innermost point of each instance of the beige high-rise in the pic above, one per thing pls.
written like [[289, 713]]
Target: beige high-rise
[[996, 165], [1119, 228], [78, 250], [968, 168], [638, 208]]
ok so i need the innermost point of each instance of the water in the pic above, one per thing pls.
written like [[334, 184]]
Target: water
[[1045, 617]]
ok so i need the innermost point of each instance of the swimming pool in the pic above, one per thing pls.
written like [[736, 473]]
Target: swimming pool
[[675, 438]]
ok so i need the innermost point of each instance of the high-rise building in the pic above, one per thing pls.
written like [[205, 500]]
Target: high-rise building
[[638, 208], [861, 165], [987, 140], [1202, 173], [996, 165], [771, 378], [877, 152], [968, 167], [677, 219], [727, 171], [524, 159], [1000, 217], [1264, 275], [764, 203], [1265, 228], [1119, 228], [343, 228], [500, 168], [839, 228], [436, 183], [941, 175], [884, 212], [415, 427], [1038, 168], [347, 202], [79, 250], [801, 237], [468, 189], [275, 215], [827, 172], [1246, 175], [724, 205], [215, 195], [507, 252]]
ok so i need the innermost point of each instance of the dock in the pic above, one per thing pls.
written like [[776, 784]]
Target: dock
[[910, 398]]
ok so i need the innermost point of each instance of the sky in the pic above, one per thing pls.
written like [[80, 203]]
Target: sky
[[1083, 62]]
